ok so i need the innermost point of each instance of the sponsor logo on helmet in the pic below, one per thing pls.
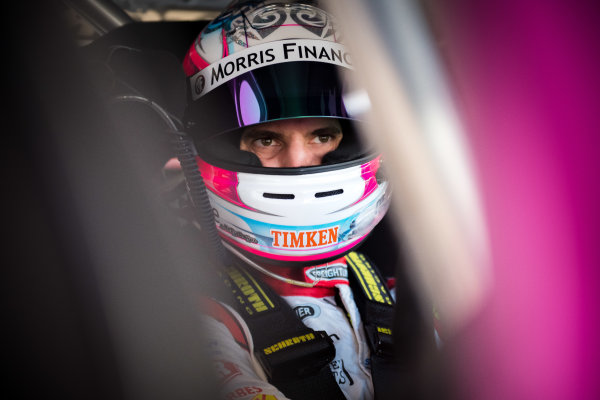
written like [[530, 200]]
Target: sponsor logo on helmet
[[235, 233], [304, 239], [199, 85], [266, 54], [327, 272], [306, 311]]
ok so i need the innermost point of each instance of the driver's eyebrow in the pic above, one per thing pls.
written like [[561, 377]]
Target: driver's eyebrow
[[259, 133], [328, 130]]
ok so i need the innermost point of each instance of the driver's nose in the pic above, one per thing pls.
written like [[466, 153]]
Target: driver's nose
[[297, 153]]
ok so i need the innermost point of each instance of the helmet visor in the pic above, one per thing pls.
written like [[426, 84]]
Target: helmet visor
[[279, 91]]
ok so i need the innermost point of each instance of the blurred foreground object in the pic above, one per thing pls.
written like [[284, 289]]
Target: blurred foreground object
[[525, 75], [98, 306], [411, 115]]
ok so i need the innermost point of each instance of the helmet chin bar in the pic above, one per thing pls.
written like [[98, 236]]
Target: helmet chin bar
[[322, 216], [262, 270]]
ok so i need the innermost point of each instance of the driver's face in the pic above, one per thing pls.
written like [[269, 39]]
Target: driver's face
[[292, 143]]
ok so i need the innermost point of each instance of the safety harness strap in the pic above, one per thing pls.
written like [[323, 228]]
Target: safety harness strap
[[376, 307], [294, 357]]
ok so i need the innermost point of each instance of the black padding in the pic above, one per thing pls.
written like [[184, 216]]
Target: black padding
[[148, 58], [135, 69], [174, 37], [350, 148], [155, 75], [144, 132], [227, 149]]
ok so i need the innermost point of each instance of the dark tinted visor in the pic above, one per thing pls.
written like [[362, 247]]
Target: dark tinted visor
[[279, 91]]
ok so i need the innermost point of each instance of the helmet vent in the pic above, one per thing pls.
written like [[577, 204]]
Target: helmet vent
[[280, 196], [330, 193]]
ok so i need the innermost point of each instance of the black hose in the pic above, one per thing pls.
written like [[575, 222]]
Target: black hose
[[185, 151]]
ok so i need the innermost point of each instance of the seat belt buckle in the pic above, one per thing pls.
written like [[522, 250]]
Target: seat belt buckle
[[381, 340], [298, 356]]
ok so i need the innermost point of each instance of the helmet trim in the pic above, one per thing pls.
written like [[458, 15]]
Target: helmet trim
[[262, 55], [255, 169]]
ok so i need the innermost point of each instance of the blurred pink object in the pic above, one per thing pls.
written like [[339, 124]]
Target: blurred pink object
[[526, 75]]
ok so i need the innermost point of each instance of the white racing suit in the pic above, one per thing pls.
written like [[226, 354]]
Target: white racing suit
[[230, 343]]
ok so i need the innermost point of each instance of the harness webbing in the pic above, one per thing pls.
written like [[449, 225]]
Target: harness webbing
[[294, 357], [376, 308]]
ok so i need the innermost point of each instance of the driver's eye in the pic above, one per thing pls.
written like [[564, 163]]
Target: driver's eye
[[324, 138], [266, 141]]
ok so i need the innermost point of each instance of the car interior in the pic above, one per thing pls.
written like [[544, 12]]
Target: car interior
[[105, 314]]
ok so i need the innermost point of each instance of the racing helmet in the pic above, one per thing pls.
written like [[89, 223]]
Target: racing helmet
[[263, 61]]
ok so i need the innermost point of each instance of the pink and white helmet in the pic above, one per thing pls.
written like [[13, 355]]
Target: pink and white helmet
[[263, 61]]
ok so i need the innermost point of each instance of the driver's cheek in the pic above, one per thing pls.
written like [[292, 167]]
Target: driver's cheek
[[269, 157]]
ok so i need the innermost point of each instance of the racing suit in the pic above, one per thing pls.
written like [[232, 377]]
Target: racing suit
[[328, 305]]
